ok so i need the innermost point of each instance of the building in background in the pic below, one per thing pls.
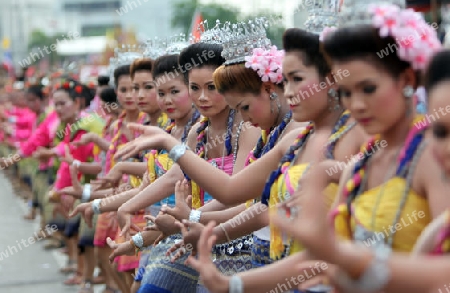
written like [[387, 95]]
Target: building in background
[[19, 18]]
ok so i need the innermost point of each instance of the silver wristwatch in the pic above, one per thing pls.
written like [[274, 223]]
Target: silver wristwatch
[[177, 152]]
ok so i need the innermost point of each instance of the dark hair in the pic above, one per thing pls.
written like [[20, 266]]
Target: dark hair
[[103, 80], [122, 70], [364, 42], [76, 90], [167, 65], [309, 48], [194, 55], [36, 90], [108, 95], [438, 70], [145, 64]]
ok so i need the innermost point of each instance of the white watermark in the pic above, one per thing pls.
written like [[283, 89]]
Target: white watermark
[[422, 123], [5, 162], [24, 243], [340, 166], [130, 6], [405, 41], [35, 56], [91, 117], [317, 87], [183, 68], [386, 232], [294, 282]]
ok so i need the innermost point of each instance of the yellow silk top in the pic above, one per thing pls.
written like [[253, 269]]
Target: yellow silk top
[[413, 219], [288, 183]]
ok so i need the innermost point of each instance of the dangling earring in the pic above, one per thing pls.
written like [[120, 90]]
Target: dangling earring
[[273, 96], [333, 100], [408, 93]]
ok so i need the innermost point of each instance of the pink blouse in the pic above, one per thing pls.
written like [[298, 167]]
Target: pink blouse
[[81, 153], [22, 121], [43, 136]]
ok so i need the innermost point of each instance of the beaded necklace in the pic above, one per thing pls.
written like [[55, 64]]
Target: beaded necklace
[[266, 143], [201, 150], [339, 130], [117, 138], [407, 161]]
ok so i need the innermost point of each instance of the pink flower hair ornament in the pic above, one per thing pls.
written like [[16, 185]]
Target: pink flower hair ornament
[[326, 31], [416, 40], [267, 63]]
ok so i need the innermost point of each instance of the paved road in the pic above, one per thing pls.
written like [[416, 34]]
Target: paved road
[[31, 268]]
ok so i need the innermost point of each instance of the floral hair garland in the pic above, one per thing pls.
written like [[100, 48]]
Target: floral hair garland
[[267, 63], [70, 85], [416, 40]]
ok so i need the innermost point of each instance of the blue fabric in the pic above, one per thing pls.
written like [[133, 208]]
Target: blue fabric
[[261, 252], [72, 226], [147, 288], [167, 201], [207, 197], [161, 275], [139, 275]]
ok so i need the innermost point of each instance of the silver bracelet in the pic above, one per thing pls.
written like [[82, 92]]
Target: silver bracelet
[[375, 277], [76, 163], [86, 195], [236, 285], [177, 152], [96, 206], [194, 216], [138, 240]]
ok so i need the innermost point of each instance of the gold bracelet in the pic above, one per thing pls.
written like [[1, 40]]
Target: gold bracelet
[[225, 232]]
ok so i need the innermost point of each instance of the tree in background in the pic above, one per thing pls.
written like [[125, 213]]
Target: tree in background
[[185, 10], [39, 39]]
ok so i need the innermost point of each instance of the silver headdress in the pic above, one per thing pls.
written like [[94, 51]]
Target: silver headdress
[[210, 36], [175, 44], [239, 40], [157, 47], [322, 14], [154, 48], [111, 67], [356, 12], [127, 54]]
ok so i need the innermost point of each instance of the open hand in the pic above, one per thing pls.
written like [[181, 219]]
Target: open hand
[[181, 210]]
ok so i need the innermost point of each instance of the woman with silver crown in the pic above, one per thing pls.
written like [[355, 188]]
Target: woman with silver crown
[[239, 260], [161, 273], [120, 135], [265, 106], [304, 69], [416, 189]]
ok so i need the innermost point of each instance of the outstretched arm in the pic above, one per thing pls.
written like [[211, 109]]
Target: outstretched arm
[[245, 185], [160, 189]]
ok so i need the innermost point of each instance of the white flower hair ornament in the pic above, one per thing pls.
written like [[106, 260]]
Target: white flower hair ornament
[[416, 40], [267, 63]]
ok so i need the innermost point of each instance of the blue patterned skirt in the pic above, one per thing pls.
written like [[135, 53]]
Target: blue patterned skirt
[[234, 257], [163, 276]]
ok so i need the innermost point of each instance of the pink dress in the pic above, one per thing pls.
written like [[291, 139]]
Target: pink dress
[[22, 121], [43, 136], [81, 153]]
